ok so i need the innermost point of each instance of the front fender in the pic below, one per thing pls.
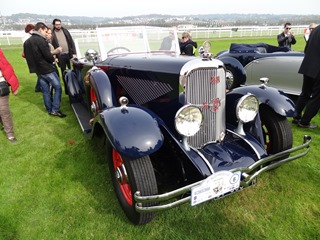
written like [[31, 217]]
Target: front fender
[[272, 97], [132, 131]]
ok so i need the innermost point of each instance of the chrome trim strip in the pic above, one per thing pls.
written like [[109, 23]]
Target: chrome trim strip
[[204, 159], [240, 136]]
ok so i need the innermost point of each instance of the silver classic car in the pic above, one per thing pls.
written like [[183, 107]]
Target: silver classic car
[[278, 64], [172, 134]]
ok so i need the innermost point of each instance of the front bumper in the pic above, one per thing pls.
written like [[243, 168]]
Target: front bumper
[[248, 175]]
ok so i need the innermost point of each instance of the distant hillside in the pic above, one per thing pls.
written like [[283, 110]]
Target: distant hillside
[[48, 18], [18, 21]]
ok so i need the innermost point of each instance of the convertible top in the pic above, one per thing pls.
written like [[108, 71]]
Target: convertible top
[[258, 47]]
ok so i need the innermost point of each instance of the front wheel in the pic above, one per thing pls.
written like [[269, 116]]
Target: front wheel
[[231, 81], [131, 175], [277, 131]]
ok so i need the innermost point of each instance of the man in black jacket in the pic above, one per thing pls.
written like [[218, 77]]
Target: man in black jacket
[[310, 95], [61, 37], [286, 38], [40, 61]]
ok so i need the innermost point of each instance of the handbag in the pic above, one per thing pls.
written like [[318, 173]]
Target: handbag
[[4, 86]]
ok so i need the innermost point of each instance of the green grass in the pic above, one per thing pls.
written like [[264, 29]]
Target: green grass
[[53, 189]]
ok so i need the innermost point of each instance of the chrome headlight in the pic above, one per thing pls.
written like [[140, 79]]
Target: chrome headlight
[[188, 120], [247, 108]]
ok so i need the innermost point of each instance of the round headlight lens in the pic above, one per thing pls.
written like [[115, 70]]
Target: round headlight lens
[[247, 108], [188, 120]]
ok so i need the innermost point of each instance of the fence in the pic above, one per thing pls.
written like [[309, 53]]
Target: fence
[[239, 32], [17, 37]]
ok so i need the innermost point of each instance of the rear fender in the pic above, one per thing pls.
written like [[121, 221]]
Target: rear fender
[[131, 131]]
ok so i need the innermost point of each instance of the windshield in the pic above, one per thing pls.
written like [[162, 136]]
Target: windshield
[[130, 40]]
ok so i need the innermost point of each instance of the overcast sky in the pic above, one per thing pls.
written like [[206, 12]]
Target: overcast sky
[[120, 8]]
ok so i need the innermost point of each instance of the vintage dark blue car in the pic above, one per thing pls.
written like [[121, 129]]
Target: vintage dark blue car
[[171, 131], [247, 63]]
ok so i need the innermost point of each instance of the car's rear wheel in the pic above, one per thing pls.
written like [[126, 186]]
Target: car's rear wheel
[[277, 131], [131, 175]]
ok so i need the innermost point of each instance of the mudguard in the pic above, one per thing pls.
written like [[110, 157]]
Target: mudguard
[[132, 131], [102, 86], [272, 97], [240, 75]]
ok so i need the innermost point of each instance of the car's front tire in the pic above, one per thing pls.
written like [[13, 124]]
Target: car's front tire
[[231, 81], [131, 175], [277, 131]]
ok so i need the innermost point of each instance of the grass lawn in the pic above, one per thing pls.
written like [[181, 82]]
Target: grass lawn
[[54, 184]]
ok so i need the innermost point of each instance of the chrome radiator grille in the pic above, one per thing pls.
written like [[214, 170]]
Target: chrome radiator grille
[[206, 88]]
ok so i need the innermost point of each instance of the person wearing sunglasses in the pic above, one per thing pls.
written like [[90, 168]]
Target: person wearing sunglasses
[[187, 46], [286, 38]]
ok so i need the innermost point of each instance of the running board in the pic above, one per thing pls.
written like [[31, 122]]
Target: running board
[[83, 117]]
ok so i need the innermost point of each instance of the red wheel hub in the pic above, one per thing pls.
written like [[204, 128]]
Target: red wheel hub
[[93, 99], [121, 176], [266, 138]]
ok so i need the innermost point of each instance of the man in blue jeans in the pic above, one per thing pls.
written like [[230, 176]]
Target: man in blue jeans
[[53, 105], [41, 61]]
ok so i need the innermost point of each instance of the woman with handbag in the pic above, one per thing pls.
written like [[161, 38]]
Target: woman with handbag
[[7, 78]]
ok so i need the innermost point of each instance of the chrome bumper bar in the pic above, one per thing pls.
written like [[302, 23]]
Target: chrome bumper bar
[[248, 175]]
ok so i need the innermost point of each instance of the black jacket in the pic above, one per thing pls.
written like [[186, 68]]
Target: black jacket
[[187, 48], [37, 53], [166, 43], [284, 41], [310, 63], [70, 42]]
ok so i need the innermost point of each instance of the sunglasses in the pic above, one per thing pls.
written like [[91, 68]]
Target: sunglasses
[[184, 37], [288, 28]]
